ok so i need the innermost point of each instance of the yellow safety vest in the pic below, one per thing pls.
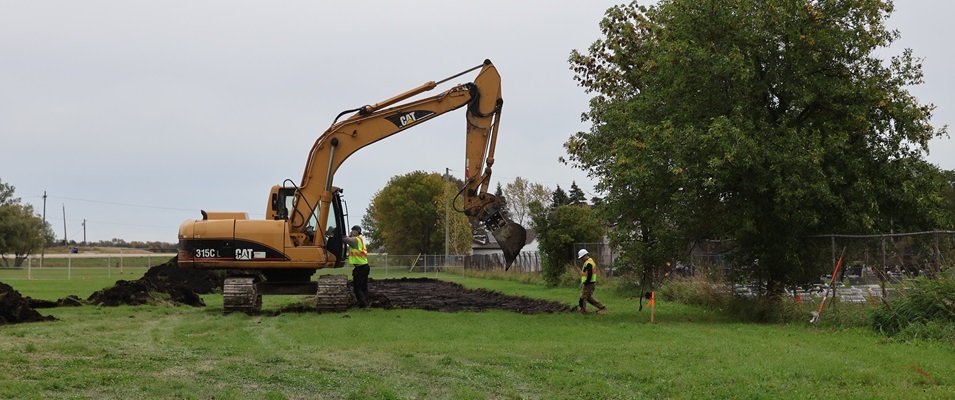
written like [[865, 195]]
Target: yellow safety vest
[[583, 271], [358, 256]]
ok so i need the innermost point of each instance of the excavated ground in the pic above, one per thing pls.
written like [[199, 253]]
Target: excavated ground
[[168, 284], [437, 295], [15, 308]]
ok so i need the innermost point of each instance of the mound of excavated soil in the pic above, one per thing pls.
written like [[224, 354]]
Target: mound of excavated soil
[[161, 284], [436, 295], [167, 283], [14, 308], [68, 301]]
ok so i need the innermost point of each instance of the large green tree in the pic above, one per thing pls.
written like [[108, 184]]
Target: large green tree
[[761, 121], [408, 216], [21, 231]]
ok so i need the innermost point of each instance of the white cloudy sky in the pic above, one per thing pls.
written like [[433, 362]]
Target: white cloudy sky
[[134, 115]]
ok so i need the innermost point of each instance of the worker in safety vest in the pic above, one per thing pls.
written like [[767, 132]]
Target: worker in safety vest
[[588, 278], [358, 258]]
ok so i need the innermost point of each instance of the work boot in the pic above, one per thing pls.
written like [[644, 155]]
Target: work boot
[[581, 310], [603, 311]]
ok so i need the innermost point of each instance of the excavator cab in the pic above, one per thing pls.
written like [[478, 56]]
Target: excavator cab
[[280, 202]]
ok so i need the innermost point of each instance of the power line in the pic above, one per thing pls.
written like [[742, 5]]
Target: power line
[[124, 204]]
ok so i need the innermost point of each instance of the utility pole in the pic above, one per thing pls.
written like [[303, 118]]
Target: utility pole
[[64, 225], [43, 244], [84, 231]]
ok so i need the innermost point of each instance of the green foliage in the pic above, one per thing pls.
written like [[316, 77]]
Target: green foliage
[[21, 231], [948, 193], [926, 310], [557, 231], [559, 198], [758, 121], [576, 196], [407, 216], [717, 296], [690, 353]]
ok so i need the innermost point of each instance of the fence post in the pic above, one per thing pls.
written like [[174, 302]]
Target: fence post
[[69, 267], [109, 270], [884, 269]]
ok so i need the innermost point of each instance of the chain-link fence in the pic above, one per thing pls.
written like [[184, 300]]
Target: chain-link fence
[[873, 266], [527, 261], [83, 266]]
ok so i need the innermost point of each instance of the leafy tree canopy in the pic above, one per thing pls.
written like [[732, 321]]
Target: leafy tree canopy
[[762, 121], [21, 231], [558, 229], [407, 216]]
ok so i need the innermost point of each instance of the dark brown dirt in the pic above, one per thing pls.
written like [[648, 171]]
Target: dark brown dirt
[[15, 309], [68, 301], [166, 284], [437, 295], [162, 284]]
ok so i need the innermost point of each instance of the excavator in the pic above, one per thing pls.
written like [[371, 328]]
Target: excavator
[[305, 225]]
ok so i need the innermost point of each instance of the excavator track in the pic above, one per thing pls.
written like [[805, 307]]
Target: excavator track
[[332, 294], [240, 295]]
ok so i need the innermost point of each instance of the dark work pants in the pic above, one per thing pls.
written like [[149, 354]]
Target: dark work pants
[[360, 278]]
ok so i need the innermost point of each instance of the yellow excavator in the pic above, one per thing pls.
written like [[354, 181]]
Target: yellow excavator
[[305, 225]]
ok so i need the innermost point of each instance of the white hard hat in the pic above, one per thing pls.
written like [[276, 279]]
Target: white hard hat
[[582, 252]]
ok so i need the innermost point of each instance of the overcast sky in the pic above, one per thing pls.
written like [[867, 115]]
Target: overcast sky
[[135, 115]]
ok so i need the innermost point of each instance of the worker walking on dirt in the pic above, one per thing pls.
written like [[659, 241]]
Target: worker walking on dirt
[[588, 278], [358, 257]]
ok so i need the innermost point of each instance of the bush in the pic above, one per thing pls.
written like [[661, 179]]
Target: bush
[[697, 291], [718, 296], [926, 310]]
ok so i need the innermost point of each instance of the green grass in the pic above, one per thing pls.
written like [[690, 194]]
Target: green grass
[[198, 353]]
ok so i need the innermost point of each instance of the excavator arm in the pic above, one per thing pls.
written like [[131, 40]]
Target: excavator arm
[[371, 123]]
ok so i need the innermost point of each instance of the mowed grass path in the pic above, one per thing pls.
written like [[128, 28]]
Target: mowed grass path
[[185, 352]]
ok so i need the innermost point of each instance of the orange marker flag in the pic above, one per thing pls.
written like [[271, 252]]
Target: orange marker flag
[[652, 304]]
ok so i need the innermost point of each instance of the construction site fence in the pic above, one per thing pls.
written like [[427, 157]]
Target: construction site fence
[[873, 267], [528, 261]]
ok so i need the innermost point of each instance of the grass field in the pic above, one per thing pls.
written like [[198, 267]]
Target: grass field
[[198, 353]]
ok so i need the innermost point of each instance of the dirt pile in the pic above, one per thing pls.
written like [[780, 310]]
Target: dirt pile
[[68, 301], [14, 308], [436, 295], [162, 284]]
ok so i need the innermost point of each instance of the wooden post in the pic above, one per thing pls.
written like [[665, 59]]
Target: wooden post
[[653, 306]]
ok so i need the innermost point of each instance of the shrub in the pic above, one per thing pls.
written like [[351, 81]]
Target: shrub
[[926, 310], [718, 296]]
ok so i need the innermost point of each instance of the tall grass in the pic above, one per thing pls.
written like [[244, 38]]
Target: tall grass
[[926, 310]]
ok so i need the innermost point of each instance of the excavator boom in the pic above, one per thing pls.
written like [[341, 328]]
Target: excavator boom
[[371, 123], [305, 227]]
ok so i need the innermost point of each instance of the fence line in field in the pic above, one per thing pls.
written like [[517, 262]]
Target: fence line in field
[[87, 264]]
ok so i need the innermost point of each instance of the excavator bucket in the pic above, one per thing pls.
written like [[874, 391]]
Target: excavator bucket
[[511, 237]]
